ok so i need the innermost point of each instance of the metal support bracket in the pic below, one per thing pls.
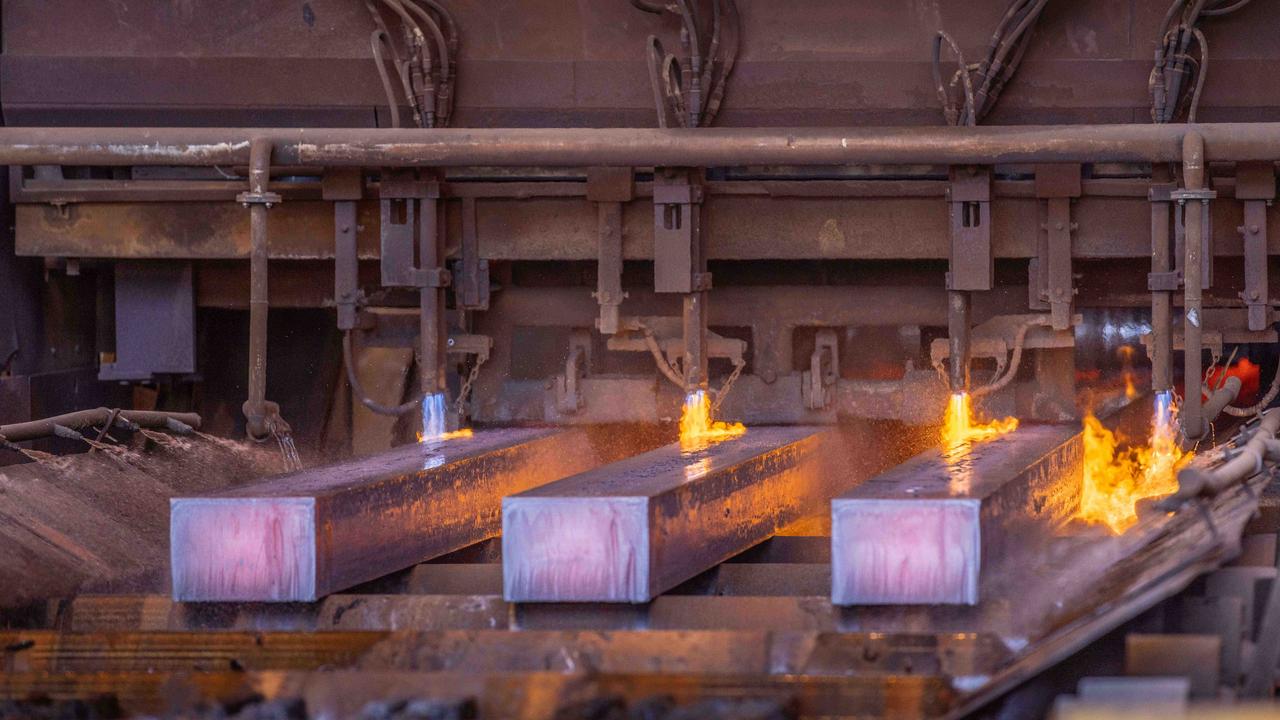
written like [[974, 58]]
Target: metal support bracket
[[1058, 185], [472, 290], [609, 188], [969, 197], [1182, 196], [1256, 188], [677, 254], [343, 187], [403, 202], [817, 382]]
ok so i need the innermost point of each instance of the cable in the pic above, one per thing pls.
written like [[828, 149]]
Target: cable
[[1018, 342], [1262, 404], [376, 41], [357, 390], [692, 87]]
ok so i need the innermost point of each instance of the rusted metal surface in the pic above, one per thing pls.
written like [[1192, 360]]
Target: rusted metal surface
[[635, 147], [629, 531], [522, 696], [301, 536], [744, 221], [922, 532], [96, 521]]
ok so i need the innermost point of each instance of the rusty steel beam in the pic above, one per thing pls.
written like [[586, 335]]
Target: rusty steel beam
[[629, 531], [921, 532], [637, 147], [300, 536]]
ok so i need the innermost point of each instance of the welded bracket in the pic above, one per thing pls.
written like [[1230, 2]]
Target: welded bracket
[[405, 205], [817, 382], [1182, 196], [1057, 185], [969, 197], [1256, 188], [677, 237], [609, 188], [472, 289]]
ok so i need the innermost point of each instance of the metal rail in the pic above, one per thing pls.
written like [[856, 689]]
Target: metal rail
[[691, 147]]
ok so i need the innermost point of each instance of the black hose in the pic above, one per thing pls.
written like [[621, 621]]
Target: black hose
[[357, 390]]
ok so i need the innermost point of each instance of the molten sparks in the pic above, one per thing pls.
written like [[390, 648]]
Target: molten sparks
[[698, 430], [1116, 478], [433, 421], [961, 425]]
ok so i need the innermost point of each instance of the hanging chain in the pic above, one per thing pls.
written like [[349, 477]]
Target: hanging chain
[[465, 391], [728, 383]]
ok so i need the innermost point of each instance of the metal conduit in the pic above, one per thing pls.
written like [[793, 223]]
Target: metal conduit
[[641, 147]]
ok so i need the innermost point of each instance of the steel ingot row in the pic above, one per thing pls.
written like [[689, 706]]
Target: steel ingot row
[[579, 525]]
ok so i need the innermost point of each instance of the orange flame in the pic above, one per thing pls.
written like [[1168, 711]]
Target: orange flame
[[698, 430], [960, 425], [463, 433], [1116, 478]]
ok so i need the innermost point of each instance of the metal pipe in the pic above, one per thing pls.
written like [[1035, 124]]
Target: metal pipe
[[255, 409], [1161, 301], [1191, 413], [695, 341], [958, 325], [1220, 399], [432, 327], [1242, 463], [637, 147], [128, 419]]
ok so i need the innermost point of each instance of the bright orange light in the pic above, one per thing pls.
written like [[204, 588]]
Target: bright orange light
[[698, 430], [1126, 358], [463, 433], [960, 425], [1116, 478]]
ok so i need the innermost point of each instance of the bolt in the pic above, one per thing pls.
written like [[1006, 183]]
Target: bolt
[[1057, 226], [1253, 229]]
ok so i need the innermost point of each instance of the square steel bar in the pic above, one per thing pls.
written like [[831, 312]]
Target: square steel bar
[[921, 532], [631, 530], [300, 536]]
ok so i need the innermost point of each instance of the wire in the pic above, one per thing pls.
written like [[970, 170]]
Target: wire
[[692, 87], [357, 390]]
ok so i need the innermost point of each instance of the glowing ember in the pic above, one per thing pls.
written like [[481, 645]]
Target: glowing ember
[[433, 421], [698, 430], [961, 426], [1116, 478]]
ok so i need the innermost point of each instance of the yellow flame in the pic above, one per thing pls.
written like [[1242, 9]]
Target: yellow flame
[[463, 433], [1126, 359], [1116, 478], [698, 430], [961, 425]]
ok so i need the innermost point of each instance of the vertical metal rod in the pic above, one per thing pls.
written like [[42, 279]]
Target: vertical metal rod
[[1193, 179], [695, 341], [432, 329], [259, 173], [609, 292], [1161, 301], [958, 323]]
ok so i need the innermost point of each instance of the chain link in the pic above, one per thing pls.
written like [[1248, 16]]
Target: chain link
[[724, 389], [464, 392]]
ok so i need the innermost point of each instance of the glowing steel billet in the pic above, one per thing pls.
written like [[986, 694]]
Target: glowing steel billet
[[303, 535], [631, 530], [919, 533]]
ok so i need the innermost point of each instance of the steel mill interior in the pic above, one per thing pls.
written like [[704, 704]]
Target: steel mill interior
[[639, 359]]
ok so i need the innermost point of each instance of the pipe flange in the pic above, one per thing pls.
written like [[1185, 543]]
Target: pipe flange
[[259, 198]]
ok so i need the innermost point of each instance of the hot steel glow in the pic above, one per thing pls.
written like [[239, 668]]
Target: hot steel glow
[[961, 425], [1116, 478], [698, 430]]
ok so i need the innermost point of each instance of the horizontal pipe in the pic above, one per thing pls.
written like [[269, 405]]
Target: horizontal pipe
[[571, 147], [174, 422]]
